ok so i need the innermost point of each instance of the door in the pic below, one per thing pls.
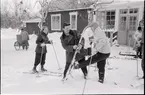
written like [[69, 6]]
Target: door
[[122, 38], [132, 28], [127, 26]]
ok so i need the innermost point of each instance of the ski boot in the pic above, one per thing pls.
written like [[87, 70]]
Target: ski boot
[[85, 76], [34, 70], [43, 69], [23, 47], [64, 79], [101, 80], [101, 77], [26, 47]]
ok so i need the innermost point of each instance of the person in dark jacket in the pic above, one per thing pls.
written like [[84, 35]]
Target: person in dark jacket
[[25, 38], [41, 49], [69, 41]]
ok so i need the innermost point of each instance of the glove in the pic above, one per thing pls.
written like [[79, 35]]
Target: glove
[[43, 44], [79, 47], [75, 47], [51, 42]]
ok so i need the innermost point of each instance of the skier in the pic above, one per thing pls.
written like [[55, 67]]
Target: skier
[[141, 24], [41, 49], [69, 41], [137, 36], [100, 51], [25, 38]]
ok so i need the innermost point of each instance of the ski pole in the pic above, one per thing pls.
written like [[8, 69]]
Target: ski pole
[[95, 68], [137, 66], [56, 57], [88, 72]]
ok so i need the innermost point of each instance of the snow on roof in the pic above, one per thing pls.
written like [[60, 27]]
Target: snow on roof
[[124, 3], [116, 3], [32, 20], [87, 8]]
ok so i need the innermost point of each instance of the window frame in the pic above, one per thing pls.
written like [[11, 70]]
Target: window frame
[[103, 21], [52, 27], [71, 14], [110, 26]]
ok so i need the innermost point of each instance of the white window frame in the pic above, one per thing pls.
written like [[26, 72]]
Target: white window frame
[[71, 14], [52, 28]]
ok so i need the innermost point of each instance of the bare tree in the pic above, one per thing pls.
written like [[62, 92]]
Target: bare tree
[[43, 11], [96, 7]]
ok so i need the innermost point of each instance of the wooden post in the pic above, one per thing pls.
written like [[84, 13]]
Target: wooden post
[[111, 38]]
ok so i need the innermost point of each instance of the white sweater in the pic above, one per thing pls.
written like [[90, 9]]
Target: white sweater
[[137, 35], [100, 43]]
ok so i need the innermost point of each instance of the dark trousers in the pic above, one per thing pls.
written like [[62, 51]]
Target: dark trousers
[[100, 58], [39, 58], [142, 63], [84, 69], [25, 44], [139, 52]]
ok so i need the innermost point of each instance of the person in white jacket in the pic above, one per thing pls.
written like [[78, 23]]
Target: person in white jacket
[[100, 50]]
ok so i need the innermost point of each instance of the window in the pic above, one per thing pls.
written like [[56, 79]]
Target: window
[[133, 11], [123, 23], [133, 23], [123, 11], [106, 19], [56, 22], [73, 20], [110, 19]]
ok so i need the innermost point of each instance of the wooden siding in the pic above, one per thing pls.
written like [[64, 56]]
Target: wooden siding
[[82, 18], [30, 27]]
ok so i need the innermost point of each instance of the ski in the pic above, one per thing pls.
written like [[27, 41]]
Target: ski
[[51, 73], [139, 82], [35, 73], [47, 73], [122, 58], [54, 72], [136, 86], [127, 54], [105, 82]]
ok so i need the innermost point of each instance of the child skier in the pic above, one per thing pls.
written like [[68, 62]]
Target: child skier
[[41, 49]]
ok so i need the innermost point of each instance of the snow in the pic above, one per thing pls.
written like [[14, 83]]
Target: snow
[[14, 63]]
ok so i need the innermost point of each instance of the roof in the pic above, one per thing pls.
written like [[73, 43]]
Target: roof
[[118, 4], [114, 4], [87, 8], [32, 20]]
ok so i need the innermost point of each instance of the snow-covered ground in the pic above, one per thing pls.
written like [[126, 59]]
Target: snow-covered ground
[[14, 63]]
